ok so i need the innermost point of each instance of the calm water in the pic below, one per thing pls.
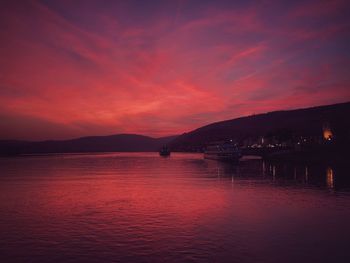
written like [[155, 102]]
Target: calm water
[[139, 207]]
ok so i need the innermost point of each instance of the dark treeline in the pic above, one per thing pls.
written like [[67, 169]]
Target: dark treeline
[[311, 127], [113, 143]]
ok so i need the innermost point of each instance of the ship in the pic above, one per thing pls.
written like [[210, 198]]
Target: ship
[[164, 151], [223, 151]]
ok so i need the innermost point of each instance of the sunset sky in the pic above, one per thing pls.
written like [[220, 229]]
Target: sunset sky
[[77, 68]]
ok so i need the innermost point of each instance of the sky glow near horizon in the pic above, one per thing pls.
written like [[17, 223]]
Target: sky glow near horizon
[[78, 68]]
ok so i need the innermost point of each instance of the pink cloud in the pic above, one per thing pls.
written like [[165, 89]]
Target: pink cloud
[[166, 77]]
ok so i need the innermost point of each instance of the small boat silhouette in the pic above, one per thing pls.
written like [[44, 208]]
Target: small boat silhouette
[[164, 151]]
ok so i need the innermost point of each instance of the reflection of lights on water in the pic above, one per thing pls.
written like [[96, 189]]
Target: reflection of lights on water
[[306, 174], [274, 172], [295, 173], [263, 167], [330, 177]]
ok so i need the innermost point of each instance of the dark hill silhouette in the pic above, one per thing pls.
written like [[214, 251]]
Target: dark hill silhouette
[[112, 143], [301, 122]]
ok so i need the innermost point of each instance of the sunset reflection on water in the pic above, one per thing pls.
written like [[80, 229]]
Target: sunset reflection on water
[[139, 207]]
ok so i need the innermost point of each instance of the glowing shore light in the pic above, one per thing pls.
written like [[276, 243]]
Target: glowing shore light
[[327, 133]]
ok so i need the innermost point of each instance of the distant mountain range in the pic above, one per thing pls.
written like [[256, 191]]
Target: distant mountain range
[[301, 122], [113, 143]]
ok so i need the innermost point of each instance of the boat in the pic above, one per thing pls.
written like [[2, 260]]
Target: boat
[[223, 151], [164, 151]]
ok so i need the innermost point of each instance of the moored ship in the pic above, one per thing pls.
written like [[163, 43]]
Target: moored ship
[[223, 151]]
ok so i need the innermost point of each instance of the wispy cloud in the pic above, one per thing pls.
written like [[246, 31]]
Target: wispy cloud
[[120, 67]]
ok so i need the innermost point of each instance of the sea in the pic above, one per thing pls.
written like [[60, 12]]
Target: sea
[[141, 207]]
